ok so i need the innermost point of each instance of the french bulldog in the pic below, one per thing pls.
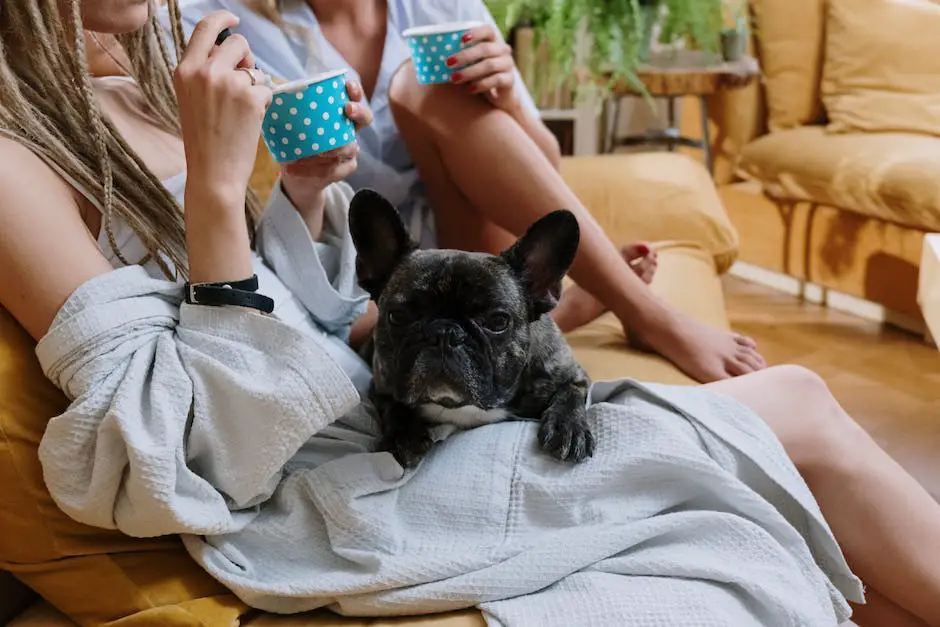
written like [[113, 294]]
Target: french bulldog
[[464, 339]]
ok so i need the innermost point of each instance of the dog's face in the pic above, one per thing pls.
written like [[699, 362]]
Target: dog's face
[[453, 327]]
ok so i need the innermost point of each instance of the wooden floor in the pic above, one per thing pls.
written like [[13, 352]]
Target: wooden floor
[[871, 369], [887, 379]]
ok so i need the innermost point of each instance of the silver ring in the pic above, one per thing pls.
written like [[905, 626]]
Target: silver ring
[[250, 73]]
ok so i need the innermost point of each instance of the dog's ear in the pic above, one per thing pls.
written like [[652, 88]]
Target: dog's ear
[[541, 258], [380, 238]]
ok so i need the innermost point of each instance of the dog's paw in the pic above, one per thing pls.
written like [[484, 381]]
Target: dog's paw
[[408, 449], [566, 436]]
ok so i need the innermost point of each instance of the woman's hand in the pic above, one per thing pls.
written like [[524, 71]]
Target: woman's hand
[[222, 101], [491, 67], [305, 179], [334, 165]]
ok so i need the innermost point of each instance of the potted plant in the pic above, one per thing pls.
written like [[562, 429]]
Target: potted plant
[[734, 37], [619, 32]]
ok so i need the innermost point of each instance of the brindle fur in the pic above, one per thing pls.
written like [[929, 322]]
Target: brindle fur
[[434, 331]]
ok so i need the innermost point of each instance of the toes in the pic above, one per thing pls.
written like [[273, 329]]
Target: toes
[[737, 367], [636, 250], [752, 359], [747, 352], [642, 259], [747, 360]]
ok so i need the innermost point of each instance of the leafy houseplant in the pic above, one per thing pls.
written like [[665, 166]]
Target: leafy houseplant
[[619, 31]]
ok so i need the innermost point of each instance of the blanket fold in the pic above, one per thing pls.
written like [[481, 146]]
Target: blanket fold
[[253, 448], [321, 274], [166, 399]]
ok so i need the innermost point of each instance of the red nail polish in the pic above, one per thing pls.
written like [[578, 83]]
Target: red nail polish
[[451, 62], [473, 89], [456, 76], [467, 37]]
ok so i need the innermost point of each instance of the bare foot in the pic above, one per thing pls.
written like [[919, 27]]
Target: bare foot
[[578, 307], [642, 259], [704, 353]]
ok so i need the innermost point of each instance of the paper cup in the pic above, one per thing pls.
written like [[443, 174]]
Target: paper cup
[[431, 46], [307, 117]]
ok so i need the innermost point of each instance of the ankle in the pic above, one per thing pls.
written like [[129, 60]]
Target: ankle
[[648, 316]]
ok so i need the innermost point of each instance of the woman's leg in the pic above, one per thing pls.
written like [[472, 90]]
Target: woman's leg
[[880, 612], [481, 169], [886, 522], [577, 306]]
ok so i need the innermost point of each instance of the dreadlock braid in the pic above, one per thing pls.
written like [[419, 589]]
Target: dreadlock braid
[[47, 101]]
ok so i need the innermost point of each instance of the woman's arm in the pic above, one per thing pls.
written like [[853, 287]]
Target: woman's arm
[[304, 181], [165, 395], [180, 413], [46, 251], [221, 110], [317, 263]]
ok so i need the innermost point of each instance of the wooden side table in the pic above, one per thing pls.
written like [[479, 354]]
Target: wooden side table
[[677, 74]]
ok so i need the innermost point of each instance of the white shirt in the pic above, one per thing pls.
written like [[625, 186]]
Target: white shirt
[[300, 50]]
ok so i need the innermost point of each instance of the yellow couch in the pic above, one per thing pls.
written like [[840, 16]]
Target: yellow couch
[[846, 210], [99, 577]]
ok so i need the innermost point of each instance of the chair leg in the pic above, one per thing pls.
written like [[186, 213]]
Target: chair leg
[[706, 138]]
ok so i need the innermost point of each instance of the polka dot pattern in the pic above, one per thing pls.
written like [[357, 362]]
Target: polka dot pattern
[[429, 54], [290, 129]]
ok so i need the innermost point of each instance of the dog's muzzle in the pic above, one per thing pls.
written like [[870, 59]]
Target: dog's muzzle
[[446, 335]]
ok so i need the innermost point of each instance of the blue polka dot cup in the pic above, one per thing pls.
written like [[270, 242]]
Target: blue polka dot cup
[[307, 117], [431, 46]]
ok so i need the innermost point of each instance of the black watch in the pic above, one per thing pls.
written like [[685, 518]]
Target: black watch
[[237, 293]]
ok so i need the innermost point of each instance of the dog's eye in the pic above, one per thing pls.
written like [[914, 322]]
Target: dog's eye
[[497, 322], [398, 317]]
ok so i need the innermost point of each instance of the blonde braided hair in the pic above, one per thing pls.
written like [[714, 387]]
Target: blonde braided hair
[[47, 101]]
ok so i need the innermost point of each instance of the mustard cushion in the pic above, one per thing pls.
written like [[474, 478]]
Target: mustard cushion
[[890, 176], [656, 196], [791, 37], [882, 69]]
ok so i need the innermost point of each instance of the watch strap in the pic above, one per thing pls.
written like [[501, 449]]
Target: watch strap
[[250, 284], [235, 293]]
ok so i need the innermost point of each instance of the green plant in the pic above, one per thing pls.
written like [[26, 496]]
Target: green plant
[[737, 16], [618, 30]]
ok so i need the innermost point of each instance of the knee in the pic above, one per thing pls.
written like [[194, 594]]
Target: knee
[[435, 108], [403, 89], [824, 438], [412, 105]]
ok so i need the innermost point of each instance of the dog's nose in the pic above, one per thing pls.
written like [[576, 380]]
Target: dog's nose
[[450, 335]]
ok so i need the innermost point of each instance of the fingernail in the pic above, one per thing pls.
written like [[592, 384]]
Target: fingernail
[[451, 61], [473, 89], [456, 76], [467, 37]]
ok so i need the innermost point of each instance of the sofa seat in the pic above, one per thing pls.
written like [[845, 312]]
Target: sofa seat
[[889, 176]]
